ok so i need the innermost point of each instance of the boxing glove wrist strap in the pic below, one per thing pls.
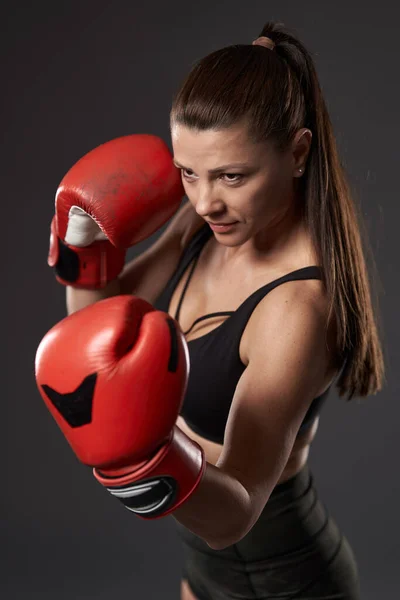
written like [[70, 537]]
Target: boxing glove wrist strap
[[160, 485], [90, 267]]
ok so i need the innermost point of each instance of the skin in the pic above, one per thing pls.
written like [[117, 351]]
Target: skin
[[262, 193]]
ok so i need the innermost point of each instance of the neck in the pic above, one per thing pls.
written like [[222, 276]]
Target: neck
[[282, 235]]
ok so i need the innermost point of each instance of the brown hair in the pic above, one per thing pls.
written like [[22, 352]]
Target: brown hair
[[277, 92]]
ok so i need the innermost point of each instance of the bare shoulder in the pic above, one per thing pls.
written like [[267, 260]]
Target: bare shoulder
[[297, 295], [298, 310]]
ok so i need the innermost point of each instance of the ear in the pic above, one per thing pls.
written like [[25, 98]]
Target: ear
[[300, 147]]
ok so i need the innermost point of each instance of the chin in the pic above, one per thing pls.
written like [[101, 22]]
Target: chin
[[231, 241]]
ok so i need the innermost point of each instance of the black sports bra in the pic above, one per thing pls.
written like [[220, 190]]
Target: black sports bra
[[215, 365]]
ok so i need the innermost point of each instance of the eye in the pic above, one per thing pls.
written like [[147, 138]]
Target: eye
[[233, 177], [187, 173], [229, 177]]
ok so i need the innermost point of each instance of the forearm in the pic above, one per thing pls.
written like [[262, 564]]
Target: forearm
[[77, 298], [219, 511]]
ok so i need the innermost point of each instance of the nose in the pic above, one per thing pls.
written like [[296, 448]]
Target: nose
[[206, 202]]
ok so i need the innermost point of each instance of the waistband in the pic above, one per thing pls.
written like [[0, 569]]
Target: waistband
[[296, 484]]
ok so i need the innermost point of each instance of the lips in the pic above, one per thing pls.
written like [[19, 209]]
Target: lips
[[220, 224]]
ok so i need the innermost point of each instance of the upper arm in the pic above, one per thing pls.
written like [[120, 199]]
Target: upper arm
[[147, 274], [288, 359]]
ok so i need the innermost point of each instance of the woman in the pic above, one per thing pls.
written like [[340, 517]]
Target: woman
[[261, 105], [276, 309]]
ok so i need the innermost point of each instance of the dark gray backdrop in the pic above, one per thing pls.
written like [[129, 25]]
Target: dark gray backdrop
[[76, 75]]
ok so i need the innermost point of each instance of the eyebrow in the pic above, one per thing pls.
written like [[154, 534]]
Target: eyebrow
[[218, 169]]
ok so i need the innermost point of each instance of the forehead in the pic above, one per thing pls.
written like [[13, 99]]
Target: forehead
[[227, 145]]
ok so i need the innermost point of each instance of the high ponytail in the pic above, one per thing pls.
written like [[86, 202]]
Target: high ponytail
[[277, 92]]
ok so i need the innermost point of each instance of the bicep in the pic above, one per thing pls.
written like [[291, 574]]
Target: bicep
[[286, 366], [147, 274]]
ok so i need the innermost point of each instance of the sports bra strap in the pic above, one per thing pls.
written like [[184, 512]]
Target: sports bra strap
[[209, 316], [178, 310]]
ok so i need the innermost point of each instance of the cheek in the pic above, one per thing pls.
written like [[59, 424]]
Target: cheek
[[278, 185], [268, 196], [268, 188], [187, 187]]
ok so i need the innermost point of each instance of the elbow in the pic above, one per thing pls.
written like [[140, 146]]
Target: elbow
[[217, 544], [221, 543], [235, 535]]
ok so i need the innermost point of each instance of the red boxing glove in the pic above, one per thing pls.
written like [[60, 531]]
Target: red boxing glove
[[114, 375], [117, 195]]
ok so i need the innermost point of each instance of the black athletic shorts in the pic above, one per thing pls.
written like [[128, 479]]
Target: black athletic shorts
[[294, 551]]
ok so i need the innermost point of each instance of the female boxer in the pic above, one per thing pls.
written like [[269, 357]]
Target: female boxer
[[265, 272]]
